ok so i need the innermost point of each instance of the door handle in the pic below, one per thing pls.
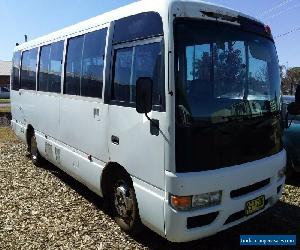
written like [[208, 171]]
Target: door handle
[[97, 114], [115, 140]]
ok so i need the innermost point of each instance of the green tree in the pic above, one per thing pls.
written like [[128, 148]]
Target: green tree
[[229, 70], [290, 80]]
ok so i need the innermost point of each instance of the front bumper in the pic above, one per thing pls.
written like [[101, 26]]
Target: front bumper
[[230, 211]]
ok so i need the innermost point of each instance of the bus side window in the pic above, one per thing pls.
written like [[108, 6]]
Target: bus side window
[[122, 84], [15, 84], [140, 26], [28, 71], [43, 79], [93, 64], [50, 67], [85, 63], [148, 63], [133, 63], [73, 66], [55, 66]]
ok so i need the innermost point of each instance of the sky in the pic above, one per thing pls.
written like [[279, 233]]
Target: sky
[[37, 18]]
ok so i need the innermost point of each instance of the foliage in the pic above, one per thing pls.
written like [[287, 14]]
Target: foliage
[[230, 72], [290, 80]]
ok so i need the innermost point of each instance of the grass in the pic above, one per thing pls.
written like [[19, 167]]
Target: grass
[[4, 100]]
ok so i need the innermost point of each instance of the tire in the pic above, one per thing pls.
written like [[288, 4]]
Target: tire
[[35, 156], [124, 205]]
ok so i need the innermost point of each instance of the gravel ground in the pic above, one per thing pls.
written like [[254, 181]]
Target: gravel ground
[[43, 208]]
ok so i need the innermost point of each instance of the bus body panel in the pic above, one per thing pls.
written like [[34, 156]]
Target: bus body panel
[[72, 161], [46, 113], [23, 108], [233, 178], [69, 131], [20, 130], [84, 126], [15, 100], [226, 180], [140, 152], [151, 202]]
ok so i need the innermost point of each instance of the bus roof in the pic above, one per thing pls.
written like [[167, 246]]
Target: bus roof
[[160, 6]]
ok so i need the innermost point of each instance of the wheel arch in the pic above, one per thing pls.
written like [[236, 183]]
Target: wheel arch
[[108, 172], [29, 134]]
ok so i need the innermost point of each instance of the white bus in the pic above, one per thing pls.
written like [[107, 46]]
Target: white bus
[[167, 109]]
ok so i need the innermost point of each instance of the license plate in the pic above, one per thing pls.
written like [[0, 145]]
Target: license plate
[[255, 205]]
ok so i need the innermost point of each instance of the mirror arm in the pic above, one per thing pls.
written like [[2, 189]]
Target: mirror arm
[[149, 119]]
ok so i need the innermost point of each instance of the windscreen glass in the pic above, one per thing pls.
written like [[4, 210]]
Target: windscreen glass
[[224, 72]]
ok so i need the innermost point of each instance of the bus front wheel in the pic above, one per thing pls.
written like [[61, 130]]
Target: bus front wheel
[[124, 204]]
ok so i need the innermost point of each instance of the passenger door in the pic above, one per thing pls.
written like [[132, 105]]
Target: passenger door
[[131, 142]]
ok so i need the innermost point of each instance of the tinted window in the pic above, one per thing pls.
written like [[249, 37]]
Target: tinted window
[[44, 68], [148, 63], [138, 26], [28, 72], [73, 66], [85, 61], [16, 71], [136, 62], [122, 89], [92, 64], [50, 67], [55, 67]]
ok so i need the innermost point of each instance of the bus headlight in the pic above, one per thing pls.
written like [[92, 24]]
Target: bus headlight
[[207, 200], [196, 201]]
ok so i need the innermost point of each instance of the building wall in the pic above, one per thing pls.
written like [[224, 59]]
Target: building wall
[[4, 81]]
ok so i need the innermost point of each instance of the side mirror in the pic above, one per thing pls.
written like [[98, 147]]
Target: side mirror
[[144, 95]]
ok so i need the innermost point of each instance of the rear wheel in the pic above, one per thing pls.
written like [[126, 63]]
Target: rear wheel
[[35, 156], [124, 204]]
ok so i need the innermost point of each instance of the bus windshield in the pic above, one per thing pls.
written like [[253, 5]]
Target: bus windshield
[[224, 72]]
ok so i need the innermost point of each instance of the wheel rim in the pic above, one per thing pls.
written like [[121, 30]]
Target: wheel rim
[[123, 201], [33, 148]]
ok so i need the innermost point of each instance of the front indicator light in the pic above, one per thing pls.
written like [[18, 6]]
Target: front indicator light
[[181, 202]]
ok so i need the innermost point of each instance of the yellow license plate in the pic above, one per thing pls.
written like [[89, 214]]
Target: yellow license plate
[[255, 205]]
